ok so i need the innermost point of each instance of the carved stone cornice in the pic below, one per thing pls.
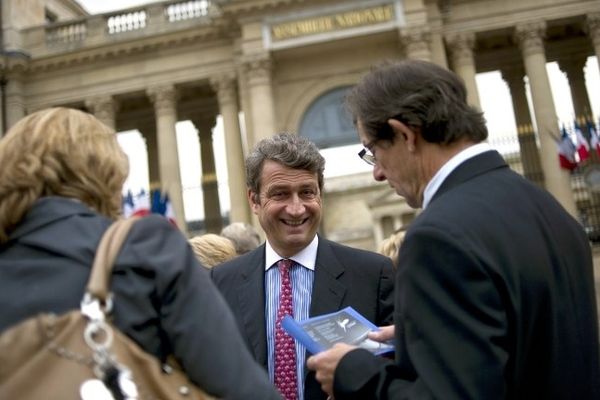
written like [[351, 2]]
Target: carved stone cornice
[[257, 68], [415, 40], [103, 107], [573, 67], [163, 97], [513, 75], [461, 45], [251, 6], [225, 87], [593, 27], [14, 62], [530, 37], [204, 124]]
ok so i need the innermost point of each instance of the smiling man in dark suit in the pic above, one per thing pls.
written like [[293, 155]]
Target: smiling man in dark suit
[[285, 181], [495, 287]]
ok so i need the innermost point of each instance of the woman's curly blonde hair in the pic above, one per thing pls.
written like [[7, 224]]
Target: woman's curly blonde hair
[[390, 246], [59, 152]]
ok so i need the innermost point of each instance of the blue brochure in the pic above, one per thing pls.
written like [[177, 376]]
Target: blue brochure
[[344, 326]]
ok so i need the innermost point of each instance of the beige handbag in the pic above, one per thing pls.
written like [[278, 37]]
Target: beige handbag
[[81, 354]]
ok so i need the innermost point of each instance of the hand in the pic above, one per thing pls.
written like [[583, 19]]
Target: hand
[[384, 334], [325, 363]]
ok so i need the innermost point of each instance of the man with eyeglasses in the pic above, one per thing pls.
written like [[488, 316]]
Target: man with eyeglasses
[[495, 289]]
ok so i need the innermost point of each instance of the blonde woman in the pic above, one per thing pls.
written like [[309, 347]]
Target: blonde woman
[[212, 249], [390, 246], [60, 188]]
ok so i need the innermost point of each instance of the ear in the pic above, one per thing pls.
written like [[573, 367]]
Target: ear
[[402, 131], [252, 197]]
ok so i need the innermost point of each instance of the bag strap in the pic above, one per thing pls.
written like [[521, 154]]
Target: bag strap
[[106, 253]]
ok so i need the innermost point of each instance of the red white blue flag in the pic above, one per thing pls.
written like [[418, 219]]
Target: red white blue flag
[[581, 143], [128, 204], [161, 204], [566, 151], [142, 204], [594, 139]]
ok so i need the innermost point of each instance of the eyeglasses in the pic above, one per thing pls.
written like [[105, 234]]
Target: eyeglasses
[[366, 155]]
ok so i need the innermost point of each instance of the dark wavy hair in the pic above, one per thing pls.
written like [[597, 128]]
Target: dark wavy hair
[[419, 94]]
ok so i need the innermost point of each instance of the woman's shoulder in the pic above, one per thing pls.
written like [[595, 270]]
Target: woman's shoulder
[[153, 238], [155, 226]]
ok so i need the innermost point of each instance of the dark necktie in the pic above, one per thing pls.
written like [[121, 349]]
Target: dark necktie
[[285, 350]]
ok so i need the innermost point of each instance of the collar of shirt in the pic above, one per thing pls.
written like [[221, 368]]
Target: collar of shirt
[[307, 257], [450, 165]]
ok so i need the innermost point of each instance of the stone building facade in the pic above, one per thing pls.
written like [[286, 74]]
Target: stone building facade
[[272, 61]]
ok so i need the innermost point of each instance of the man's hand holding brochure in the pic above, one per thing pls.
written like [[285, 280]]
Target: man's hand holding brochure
[[344, 326]]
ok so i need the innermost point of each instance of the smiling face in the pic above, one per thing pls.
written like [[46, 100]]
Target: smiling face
[[288, 207]]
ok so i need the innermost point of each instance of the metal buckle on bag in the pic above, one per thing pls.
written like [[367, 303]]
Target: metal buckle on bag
[[92, 308], [98, 335], [114, 380]]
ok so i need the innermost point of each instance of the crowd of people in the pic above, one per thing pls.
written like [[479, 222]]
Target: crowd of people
[[488, 294]]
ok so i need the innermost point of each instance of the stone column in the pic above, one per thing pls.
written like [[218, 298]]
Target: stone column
[[15, 102], [225, 87], [257, 69], [245, 109], [104, 107], [147, 128], [378, 231], [435, 20], [573, 68], [415, 41], [530, 154], [461, 46], [530, 39], [593, 28], [210, 188], [164, 100]]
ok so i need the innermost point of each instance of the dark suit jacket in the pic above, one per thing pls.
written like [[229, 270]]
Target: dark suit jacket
[[494, 298], [344, 276]]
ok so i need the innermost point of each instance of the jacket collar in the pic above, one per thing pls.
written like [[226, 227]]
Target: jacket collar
[[471, 168], [47, 210]]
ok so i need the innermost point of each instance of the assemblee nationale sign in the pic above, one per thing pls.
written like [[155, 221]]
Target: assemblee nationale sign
[[333, 22]]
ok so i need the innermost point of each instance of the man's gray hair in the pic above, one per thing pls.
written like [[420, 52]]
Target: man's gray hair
[[244, 237]]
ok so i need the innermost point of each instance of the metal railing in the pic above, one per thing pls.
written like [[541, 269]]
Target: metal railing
[[108, 28]]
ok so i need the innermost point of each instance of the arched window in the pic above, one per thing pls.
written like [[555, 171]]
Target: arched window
[[327, 123]]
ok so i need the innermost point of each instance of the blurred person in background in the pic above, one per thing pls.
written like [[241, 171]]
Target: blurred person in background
[[390, 246], [243, 235], [212, 249]]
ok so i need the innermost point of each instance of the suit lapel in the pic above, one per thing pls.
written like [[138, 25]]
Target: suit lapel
[[328, 292], [252, 303]]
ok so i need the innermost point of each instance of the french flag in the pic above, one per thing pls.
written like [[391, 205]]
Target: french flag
[[128, 205], [141, 204], [162, 205], [582, 145], [169, 211], [566, 151], [595, 141]]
